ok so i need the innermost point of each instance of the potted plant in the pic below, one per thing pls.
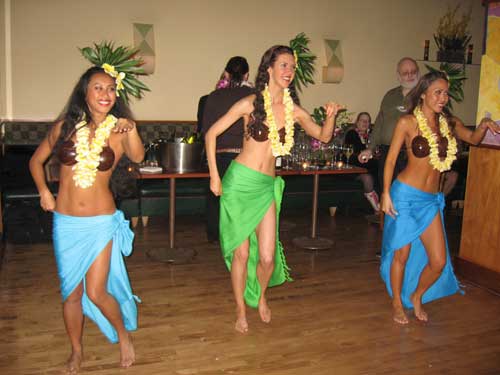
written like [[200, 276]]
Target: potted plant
[[452, 36]]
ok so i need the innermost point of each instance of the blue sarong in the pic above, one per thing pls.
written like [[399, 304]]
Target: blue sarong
[[416, 210], [78, 240]]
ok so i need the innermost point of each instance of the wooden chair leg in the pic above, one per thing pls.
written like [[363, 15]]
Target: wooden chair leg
[[1, 217], [381, 224], [145, 220], [134, 220]]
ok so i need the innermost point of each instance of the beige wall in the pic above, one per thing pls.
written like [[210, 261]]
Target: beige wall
[[194, 38], [2, 61]]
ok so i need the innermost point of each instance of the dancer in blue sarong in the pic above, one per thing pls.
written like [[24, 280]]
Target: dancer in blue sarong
[[416, 265], [90, 234]]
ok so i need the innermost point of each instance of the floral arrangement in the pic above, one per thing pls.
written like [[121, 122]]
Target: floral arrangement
[[342, 122], [452, 31], [451, 152]]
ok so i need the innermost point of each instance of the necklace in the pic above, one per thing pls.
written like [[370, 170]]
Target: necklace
[[277, 147], [451, 151], [88, 155]]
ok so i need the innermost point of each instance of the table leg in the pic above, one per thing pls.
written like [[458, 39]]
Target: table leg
[[171, 254], [171, 214], [313, 242]]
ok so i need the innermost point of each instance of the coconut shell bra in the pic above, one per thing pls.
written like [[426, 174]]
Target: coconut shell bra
[[421, 149], [67, 156], [260, 132]]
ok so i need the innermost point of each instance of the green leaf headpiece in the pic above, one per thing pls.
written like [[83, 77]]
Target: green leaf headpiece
[[120, 64]]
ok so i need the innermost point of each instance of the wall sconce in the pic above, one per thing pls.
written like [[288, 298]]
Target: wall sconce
[[333, 72], [144, 41]]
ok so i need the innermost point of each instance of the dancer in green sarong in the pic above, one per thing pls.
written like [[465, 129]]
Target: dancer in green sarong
[[250, 192]]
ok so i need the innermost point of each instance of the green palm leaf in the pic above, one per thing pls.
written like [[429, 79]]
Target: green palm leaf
[[304, 72]]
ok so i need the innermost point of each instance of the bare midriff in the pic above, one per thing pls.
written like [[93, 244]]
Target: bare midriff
[[257, 156], [94, 200]]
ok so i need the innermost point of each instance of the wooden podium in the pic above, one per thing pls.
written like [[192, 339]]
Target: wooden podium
[[479, 257]]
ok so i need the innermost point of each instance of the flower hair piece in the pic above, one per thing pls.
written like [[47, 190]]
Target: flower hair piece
[[304, 60], [120, 64]]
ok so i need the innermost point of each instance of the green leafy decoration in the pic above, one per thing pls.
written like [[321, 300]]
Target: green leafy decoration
[[123, 60], [304, 72], [456, 77]]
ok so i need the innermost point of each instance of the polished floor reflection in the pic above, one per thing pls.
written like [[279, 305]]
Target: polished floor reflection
[[334, 318]]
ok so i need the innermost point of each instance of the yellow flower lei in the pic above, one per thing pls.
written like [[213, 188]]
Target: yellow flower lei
[[277, 147], [88, 155], [451, 152]]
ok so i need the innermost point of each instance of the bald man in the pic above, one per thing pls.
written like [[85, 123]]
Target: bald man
[[391, 109]]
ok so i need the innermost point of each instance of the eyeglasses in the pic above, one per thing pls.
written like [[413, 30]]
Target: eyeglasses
[[411, 73]]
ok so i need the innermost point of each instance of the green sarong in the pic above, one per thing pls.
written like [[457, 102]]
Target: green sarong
[[246, 197]]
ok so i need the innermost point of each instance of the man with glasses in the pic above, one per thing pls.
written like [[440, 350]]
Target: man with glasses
[[391, 109]]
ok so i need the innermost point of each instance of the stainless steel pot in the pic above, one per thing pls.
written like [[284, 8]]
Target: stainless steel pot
[[181, 157]]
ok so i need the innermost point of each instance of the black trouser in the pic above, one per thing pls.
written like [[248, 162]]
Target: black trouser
[[223, 160], [401, 162]]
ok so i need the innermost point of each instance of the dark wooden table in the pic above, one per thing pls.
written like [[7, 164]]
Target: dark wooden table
[[172, 254], [312, 242]]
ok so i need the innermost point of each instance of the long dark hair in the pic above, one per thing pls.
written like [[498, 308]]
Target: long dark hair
[[236, 67], [413, 99], [268, 59], [123, 180], [77, 109]]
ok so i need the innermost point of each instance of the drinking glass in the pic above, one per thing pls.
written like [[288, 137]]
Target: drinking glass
[[349, 150]]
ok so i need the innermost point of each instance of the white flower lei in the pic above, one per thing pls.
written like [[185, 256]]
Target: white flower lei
[[277, 147], [451, 152], [88, 155]]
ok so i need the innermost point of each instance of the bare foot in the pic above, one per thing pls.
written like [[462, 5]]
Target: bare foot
[[241, 324], [398, 315], [127, 352], [264, 311], [419, 312], [74, 363]]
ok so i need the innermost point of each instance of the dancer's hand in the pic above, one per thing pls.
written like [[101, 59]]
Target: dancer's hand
[[332, 109], [490, 124], [365, 155], [47, 201], [124, 125], [387, 206], [216, 186]]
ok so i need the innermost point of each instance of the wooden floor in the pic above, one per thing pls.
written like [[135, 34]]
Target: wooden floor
[[333, 319]]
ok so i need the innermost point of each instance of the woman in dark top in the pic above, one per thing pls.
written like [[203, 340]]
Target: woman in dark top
[[232, 87], [358, 139]]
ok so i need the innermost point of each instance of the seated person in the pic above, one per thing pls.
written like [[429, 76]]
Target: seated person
[[358, 139]]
